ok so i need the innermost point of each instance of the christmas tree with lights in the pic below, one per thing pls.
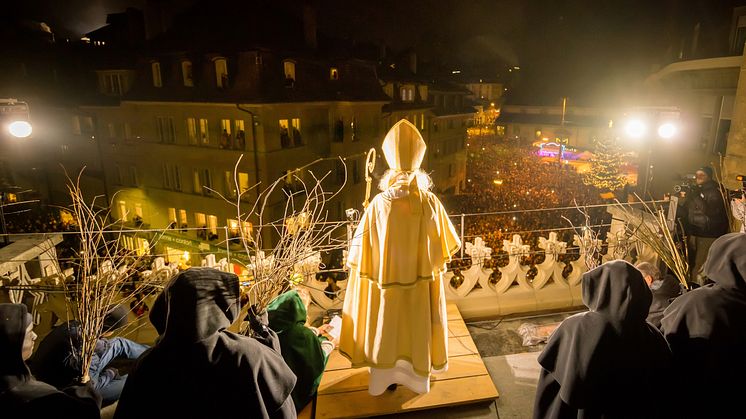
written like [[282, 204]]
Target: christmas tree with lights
[[605, 173]]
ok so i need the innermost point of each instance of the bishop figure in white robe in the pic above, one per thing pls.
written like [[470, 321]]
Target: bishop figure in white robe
[[394, 317]]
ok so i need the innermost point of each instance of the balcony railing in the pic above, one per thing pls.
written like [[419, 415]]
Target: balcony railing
[[482, 281]]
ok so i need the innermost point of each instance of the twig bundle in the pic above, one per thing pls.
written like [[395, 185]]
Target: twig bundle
[[653, 231], [300, 234], [104, 269]]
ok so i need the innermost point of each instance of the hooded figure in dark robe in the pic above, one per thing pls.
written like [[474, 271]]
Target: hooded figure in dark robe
[[22, 396], [301, 347], [706, 329], [608, 361], [198, 369]]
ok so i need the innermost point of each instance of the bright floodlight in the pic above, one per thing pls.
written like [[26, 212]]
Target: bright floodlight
[[20, 129], [667, 130], [635, 128]]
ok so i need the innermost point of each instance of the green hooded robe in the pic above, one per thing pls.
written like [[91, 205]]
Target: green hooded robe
[[300, 347]]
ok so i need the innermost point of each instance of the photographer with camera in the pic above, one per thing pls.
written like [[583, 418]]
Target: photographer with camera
[[705, 217]]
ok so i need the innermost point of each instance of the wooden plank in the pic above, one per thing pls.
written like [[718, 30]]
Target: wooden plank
[[457, 327], [457, 346], [443, 393], [357, 378], [337, 362]]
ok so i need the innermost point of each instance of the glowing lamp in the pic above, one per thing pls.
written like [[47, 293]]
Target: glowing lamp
[[19, 129], [667, 130], [635, 128]]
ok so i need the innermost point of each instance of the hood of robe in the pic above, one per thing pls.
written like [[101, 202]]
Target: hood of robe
[[286, 311], [404, 147], [195, 305], [618, 291], [726, 262], [14, 320]]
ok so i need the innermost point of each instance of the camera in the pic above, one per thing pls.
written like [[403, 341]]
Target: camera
[[738, 193], [686, 185]]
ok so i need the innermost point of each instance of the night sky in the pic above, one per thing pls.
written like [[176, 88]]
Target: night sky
[[587, 49]]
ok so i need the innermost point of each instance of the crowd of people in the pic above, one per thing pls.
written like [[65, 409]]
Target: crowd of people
[[36, 220], [510, 179]]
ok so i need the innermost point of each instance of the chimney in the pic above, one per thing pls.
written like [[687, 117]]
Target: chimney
[[413, 62], [309, 24]]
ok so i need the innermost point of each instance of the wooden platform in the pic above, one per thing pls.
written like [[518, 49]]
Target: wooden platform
[[343, 392]]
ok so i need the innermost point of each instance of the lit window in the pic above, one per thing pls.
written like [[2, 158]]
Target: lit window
[[289, 68], [243, 182], [186, 73], [233, 228], [333, 73], [221, 72], [407, 93], [192, 130], [240, 143], [212, 224], [297, 139], [183, 218], [225, 133], [200, 220], [204, 132], [156, 69], [248, 228], [285, 141], [138, 210], [123, 210]]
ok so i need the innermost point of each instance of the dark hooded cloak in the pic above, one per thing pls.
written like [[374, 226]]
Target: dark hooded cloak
[[608, 361], [22, 396], [664, 292], [198, 369], [301, 348], [706, 329]]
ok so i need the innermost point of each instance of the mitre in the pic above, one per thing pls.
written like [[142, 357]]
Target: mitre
[[404, 147]]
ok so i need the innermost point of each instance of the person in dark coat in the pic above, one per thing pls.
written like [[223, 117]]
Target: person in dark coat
[[705, 217], [665, 289], [304, 351], [706, 329], [198, 369], [58, 359], [21, 395], [608, 361]]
